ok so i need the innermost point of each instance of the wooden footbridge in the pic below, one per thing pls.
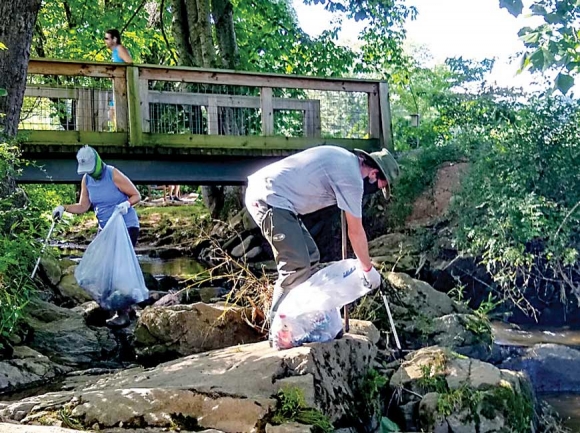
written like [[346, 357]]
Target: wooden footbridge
[[180, 125]]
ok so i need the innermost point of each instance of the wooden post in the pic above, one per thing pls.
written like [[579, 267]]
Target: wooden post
[[267, 109], [344, 254], [135, 121], [213, 127], [312, 126], [120, 108], [84, 114], [144, 100], [374, 114], [102, 106], [386, 125]]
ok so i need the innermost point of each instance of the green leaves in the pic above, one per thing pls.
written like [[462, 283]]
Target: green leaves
[[514, 7], [564, 83], [3, 92]]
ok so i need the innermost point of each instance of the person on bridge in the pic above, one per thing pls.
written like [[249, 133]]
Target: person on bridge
[[106, 189], [278, 194], [119, 54]]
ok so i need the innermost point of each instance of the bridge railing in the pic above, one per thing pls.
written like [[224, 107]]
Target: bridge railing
[[72, 103]]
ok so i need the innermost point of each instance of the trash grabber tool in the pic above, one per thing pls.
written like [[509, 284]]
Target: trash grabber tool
[[344, 252], [42, 250], [391, 321]]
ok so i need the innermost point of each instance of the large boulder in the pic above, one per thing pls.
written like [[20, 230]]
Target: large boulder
[[397, 251], [164, 333], [442, 391], [51, 268], [63, 336], [425, 317], [551, 367], [72, 293], [27, 368], [232, 390]]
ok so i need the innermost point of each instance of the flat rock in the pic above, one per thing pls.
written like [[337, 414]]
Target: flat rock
[[27, 368], [231, 389]]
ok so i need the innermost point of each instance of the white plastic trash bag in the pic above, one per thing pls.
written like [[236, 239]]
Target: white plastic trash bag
[[109, 270], [310, 312]]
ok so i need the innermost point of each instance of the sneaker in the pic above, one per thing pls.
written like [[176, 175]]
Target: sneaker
[[119, 320]]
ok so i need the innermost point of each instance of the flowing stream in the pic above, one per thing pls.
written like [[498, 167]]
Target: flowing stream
[[566, 404]]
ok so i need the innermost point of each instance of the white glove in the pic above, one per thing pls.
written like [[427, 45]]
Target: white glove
[[371, 278], [123, 208], [57, 213]]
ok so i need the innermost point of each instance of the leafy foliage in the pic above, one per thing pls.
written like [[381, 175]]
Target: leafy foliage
[[553, 44], [517, 207], [19, 227], [292, 407]]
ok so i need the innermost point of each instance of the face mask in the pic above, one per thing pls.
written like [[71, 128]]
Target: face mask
[[370, 187], [98, 167]]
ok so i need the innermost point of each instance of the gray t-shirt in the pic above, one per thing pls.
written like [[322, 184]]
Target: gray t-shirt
[[311, 180]]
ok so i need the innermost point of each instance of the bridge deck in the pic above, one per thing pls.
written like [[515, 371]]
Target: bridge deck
[[189, 125]]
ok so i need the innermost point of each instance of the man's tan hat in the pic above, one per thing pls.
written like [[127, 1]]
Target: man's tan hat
[[385, 162]]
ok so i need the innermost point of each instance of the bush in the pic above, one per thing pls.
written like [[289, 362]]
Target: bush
[[24, 222], [518, 206]]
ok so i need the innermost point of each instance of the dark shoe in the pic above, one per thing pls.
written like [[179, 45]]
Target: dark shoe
[[339, 335], [176, 199], [119, 320]]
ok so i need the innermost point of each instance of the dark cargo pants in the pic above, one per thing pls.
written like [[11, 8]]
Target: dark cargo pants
[[294, 249]]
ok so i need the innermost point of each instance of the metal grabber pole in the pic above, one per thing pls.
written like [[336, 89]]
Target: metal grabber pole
[[42, 250], [391, 321], [344, 253]]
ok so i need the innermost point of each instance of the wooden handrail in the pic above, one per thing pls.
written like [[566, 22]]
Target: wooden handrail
[[132, 99]]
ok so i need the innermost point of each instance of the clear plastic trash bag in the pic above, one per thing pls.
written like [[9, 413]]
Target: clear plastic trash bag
[[310, 312], [109, 270]]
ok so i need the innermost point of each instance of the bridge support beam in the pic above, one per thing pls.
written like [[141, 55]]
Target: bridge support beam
[[201, 171]]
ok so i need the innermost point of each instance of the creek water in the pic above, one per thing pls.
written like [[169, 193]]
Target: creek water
[[179, 267], [566, 404]]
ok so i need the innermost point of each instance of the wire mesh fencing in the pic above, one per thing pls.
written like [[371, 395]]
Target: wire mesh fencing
[[62, 103], [78, 103], [177, 108]]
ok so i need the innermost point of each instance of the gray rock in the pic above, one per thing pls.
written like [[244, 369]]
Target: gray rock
[[17, 428], [51, 268], [65, 338], [209, 293], [229, 390], [254, 252], [27, 368], [437, 372], [551, 367], [185, 329], [242, 248], [467, 334], [69, 288]]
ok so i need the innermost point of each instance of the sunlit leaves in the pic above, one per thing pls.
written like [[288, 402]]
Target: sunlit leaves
[[555, 44], [514, 7], [564, 83]]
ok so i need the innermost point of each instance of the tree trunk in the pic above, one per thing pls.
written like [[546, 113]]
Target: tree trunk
[[223, 15], [181, 34], [17, 20], [192, 30]]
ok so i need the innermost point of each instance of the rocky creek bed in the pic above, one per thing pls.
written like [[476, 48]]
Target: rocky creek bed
[[188, 365]]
